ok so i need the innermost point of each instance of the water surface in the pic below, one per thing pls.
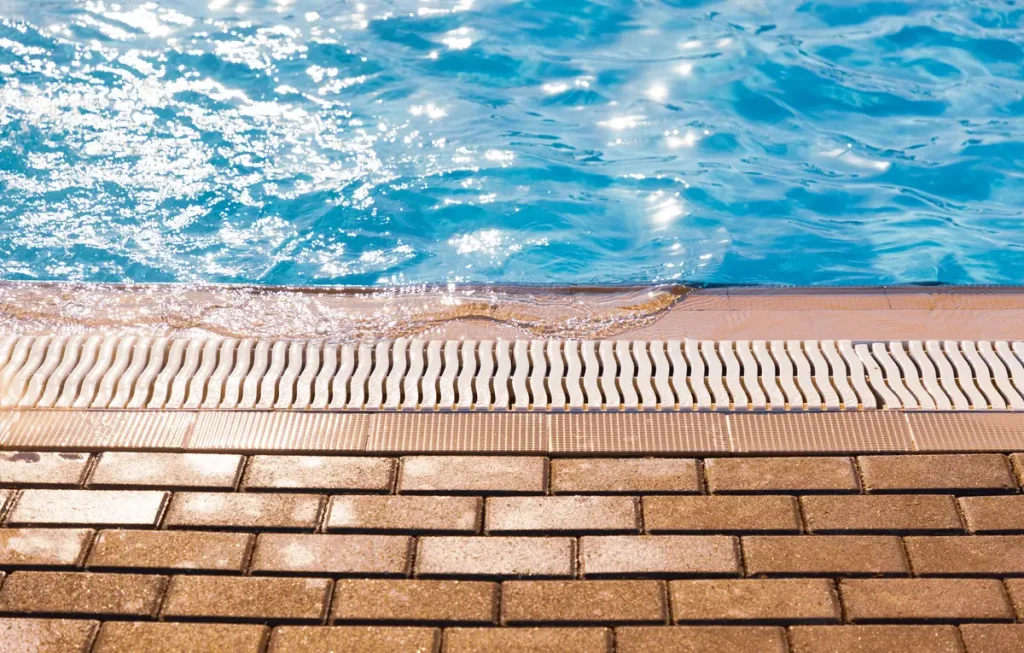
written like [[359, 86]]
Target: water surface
[[400, 142]]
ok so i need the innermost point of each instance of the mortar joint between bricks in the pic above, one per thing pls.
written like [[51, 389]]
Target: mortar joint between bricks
[[323, 507], [906, 554], [961, 515], [702, 481], [801, 513], [414, 544], [8, 510], [94, 637], [862, 486], [161, 515], [90, 544], [243, 469], [90, 466]]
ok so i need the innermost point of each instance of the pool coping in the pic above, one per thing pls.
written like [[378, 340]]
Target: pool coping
[[554, 434]]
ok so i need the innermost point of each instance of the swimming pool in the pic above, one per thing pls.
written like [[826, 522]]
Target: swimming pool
[[495, 141]]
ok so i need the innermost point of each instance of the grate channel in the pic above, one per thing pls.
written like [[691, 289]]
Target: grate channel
[[133, 372]]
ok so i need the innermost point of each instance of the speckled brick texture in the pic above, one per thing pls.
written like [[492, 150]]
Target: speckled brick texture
[[127, 551]]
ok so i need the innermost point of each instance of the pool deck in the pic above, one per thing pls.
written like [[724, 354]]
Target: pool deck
[[613, 532]]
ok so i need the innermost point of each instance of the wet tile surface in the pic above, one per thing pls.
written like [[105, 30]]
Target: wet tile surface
[[128, 469], [42, 468], [773, 554]]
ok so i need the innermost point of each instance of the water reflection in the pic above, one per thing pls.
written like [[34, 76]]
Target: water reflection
[[404, 141]]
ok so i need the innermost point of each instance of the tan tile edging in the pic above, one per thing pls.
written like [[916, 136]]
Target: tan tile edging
[[658, 434]]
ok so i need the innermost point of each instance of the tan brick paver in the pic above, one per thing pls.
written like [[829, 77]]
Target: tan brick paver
[[27, 635], [657, 555], [780, 475], [994, 514], [960, 473], [30, 468], [87, 508], [563, 514], [82, 594], [415, 601], [473, 474], [171, 550], [924, 600], [783, 601], [583, 601], [43, 547], [244, 511], [404, 514], [722, 514], [126, 469], [993, 638], [622, 476], [700, 639], [980, 555], [495, 556], [129, 637], [280, 600], [365, 555], [875, 639], [354, 639], [534, 640], [319, 473], [909, 513], [824, 555]]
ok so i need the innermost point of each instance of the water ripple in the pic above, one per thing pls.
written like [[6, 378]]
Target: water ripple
[[399, 142]]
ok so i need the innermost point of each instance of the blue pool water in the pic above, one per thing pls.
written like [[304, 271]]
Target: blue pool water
[[534, 142]]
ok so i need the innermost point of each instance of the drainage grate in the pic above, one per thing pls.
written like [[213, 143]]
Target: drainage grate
[[77, 372]]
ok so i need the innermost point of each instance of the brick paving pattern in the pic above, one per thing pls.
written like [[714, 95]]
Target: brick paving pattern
[[123, 551]]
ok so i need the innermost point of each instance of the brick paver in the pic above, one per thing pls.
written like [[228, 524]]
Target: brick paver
[[319, 473], [171, 550], [415, 601], [583, 601], [404, 514], [960, 473], [366, 555], [131, 637], [875, 639], [562, 514], [354, 639], [87, 508], [780, 475], [473, 474], [993, 638], [657, 555], [30, 468], [924, 600], [904, 513], [270, 600], [128, 469], [722, 514], [495, 556], [43, 547], [994, 514], [534, 640], [629, 475], [980, 555], [82, 594], [28, 635], [694, 639], [824, 555], [244, 511], [783, 601]]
